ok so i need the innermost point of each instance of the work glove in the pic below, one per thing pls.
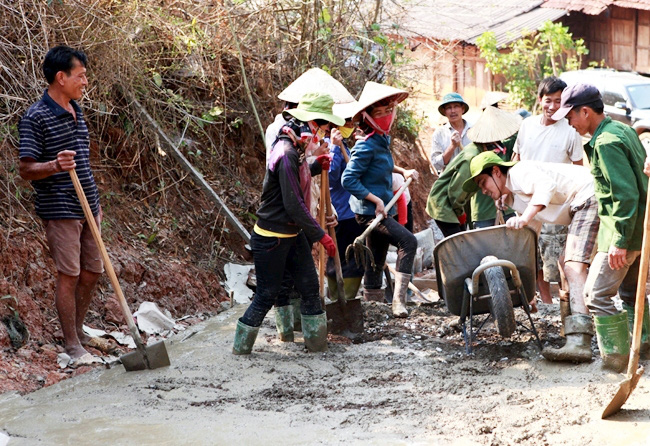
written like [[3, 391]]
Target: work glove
[[462, 219], [329, 245], [324, 161]]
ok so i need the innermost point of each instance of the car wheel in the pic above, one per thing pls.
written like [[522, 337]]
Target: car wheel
[[645, 140]]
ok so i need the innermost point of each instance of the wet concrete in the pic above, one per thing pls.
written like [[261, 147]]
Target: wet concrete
[[411, 388]]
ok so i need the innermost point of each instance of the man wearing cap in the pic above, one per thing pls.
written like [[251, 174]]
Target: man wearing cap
[[450, 138], [549, 193], [616, 157]]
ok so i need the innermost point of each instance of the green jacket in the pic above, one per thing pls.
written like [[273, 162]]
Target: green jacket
[[616, 156], [447, 198], [483, 207]]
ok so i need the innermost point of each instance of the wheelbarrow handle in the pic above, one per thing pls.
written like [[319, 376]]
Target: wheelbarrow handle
[[387, 208]]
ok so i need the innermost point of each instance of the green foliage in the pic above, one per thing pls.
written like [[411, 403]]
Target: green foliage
[[528, 60], [408, 124]]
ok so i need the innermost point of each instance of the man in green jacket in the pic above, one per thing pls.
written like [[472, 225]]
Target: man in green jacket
[[447, 200], [616, 157]]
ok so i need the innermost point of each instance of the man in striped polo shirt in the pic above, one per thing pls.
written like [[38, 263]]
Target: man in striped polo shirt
[[54, 140]]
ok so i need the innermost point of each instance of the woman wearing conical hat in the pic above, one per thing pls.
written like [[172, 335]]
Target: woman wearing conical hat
[[368, 177]]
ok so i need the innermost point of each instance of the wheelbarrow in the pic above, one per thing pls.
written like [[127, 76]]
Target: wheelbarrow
[[488, 271]]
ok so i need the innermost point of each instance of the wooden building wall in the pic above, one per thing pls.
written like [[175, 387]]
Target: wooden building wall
[[619, 36]]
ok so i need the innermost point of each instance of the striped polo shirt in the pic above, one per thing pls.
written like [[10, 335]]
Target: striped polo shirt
[[45, 130]]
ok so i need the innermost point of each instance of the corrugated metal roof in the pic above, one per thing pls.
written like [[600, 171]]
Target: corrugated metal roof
[[464, 21], [595, 7], [512, 29]]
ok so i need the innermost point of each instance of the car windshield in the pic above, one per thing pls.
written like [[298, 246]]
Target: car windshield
[[640, 95]]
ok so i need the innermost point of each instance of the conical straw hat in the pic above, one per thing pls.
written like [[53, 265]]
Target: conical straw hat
[[315, 80], [374, 92], [347, 110], [493, 98], [494, 125]]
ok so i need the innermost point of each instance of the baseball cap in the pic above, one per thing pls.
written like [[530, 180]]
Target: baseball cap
[[577, 94]]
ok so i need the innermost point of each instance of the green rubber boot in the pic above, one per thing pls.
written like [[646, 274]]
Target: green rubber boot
[[295, 305], [244, 339], [350, 287], [645, 332], [314, 330], [613, 340], [284, 322]]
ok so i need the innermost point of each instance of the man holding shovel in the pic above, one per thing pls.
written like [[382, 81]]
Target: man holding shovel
[[54, 140], [616, 157], [551, 193]]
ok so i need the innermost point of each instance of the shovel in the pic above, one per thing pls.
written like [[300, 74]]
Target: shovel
[[346, 316], [149, 357], [358, 247], [633, 374]]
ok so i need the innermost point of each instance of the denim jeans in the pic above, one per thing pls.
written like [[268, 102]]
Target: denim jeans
[[387, 232], [273, 256]]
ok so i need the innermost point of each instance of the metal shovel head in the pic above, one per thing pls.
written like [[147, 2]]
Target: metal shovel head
[[345, 320], [154, 356], [624, 390]]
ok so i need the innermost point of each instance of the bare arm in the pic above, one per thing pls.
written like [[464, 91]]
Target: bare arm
[[30, 169]]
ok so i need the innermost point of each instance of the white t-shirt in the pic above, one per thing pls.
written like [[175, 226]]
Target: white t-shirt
[[559, 187], [398, 181], [556, 143]]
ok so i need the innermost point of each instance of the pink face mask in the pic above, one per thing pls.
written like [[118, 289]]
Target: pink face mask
[[383, 124]]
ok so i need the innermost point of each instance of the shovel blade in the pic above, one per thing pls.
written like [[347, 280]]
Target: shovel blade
[[624, 390], [154, 356], [346, 319]]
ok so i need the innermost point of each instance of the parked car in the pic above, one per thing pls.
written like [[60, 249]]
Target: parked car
[[626, 96]]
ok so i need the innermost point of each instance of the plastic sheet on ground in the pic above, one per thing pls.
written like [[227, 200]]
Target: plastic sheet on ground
[[153, 321], [236, 278]]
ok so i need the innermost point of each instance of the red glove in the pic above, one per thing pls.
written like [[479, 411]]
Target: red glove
[[402, 210], [324, 160], [329, 245], [462, 219]]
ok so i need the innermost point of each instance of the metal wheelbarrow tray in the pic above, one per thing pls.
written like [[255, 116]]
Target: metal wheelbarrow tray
[[488, 271]]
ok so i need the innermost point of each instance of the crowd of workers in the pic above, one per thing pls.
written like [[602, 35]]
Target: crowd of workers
[[589, 220]]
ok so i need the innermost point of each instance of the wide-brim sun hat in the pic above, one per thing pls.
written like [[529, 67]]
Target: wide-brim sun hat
[[481, 162], [451, 98], [316, 106], [315, 80], [374, 92], [494, 125]]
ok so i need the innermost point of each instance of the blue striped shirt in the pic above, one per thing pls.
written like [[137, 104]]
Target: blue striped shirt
[[45, 130]]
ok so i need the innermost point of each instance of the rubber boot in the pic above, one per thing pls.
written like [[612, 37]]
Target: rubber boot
[[645, 332], [579, 331], [613, 340], [565, 309], [373, 295], [244, 339], [314, 331], [284, 322], [399, 296], [350, 287], [295, 305]]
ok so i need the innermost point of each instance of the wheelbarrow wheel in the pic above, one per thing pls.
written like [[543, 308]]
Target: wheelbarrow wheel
[[500, 302]]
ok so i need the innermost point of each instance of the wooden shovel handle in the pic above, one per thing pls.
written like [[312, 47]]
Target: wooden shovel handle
[[332, 232], [387, 208], [640, 292], [107, 261], [322, 258]]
